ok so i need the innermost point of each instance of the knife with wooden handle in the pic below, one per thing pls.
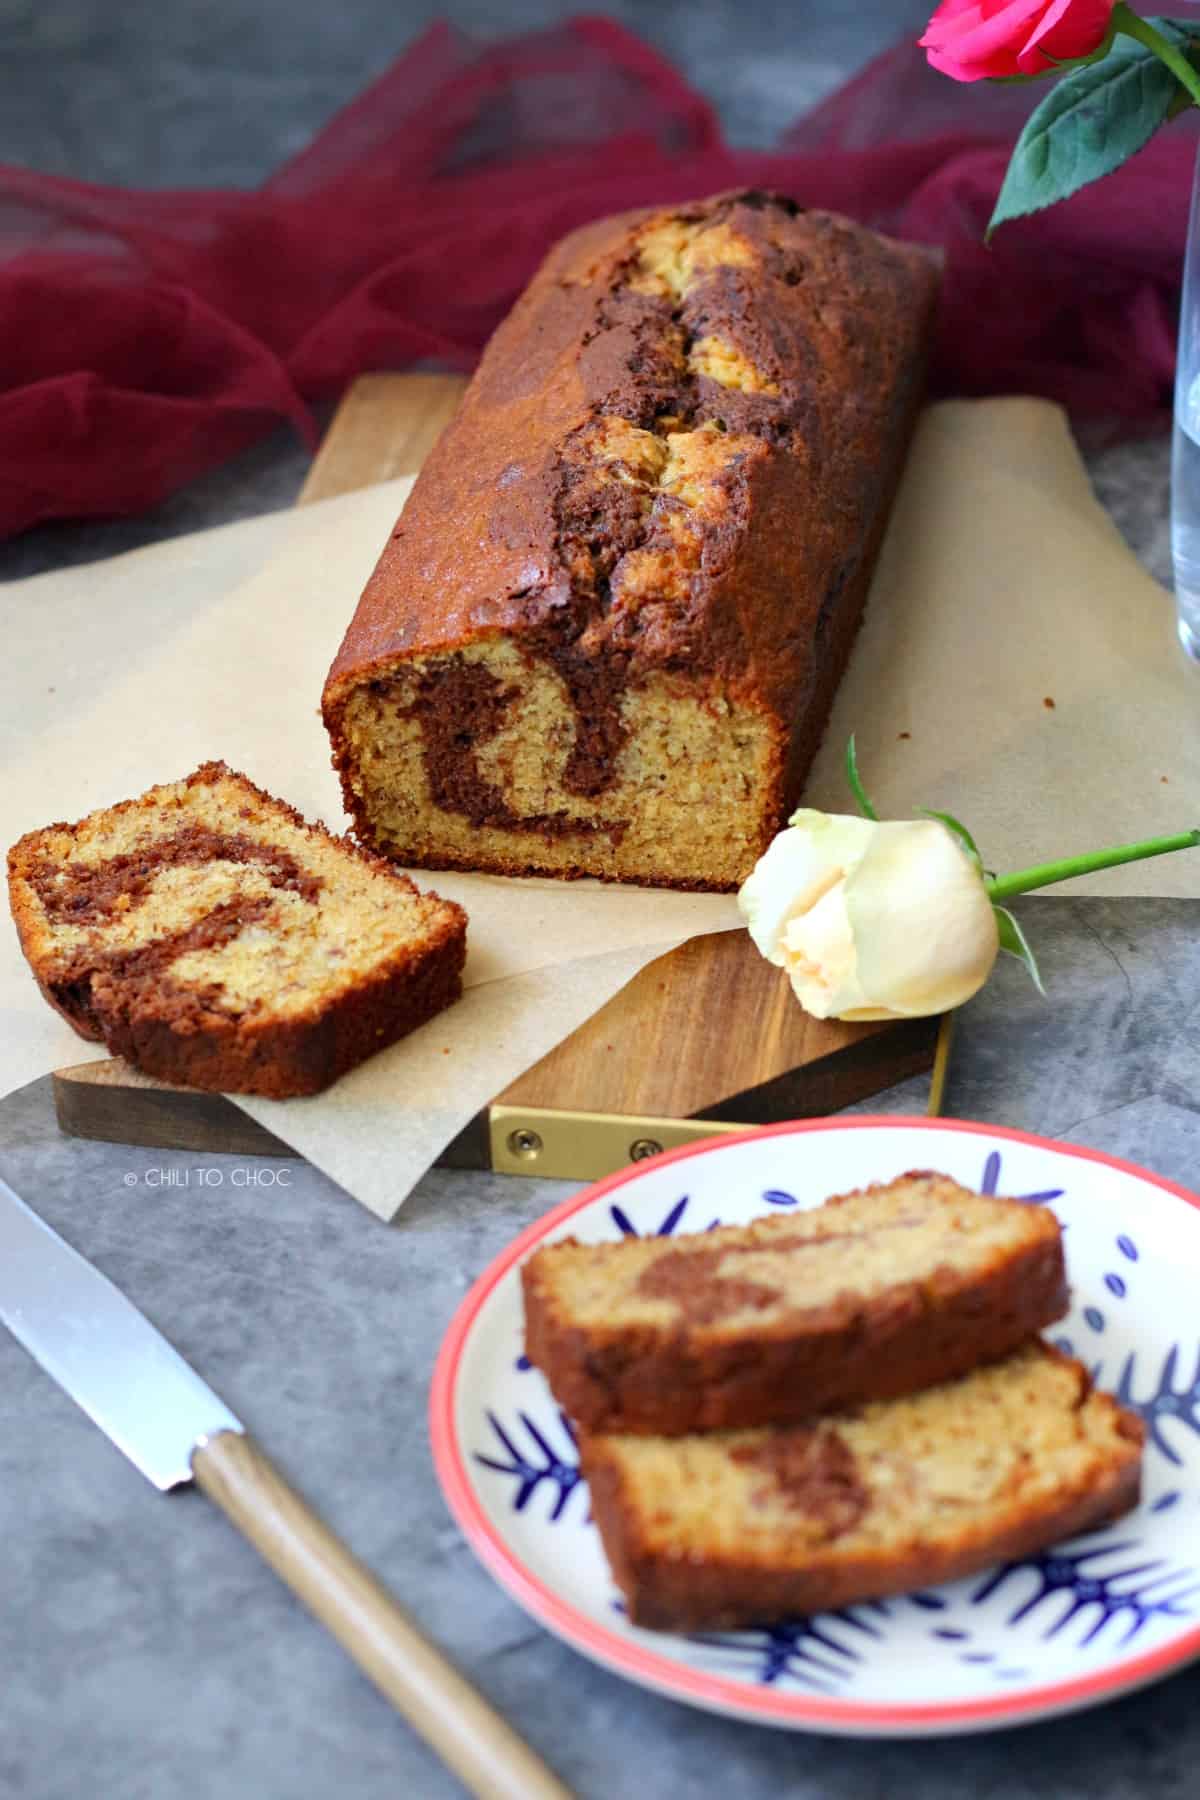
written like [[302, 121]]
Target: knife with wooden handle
[[125, 1376]]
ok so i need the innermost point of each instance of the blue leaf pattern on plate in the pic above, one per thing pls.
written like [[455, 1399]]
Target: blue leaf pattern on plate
[[625, 1226], [990, 1183], [1165, 1400], [812, 1652], [1097, 1596], [559, 1470]]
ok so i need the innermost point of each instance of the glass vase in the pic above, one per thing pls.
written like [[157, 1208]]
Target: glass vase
[[1185, 448]]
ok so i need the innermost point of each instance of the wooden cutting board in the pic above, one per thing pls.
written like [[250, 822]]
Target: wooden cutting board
[[704, 1039]]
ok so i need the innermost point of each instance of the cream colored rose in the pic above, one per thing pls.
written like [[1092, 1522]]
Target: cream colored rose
[[872, 921]]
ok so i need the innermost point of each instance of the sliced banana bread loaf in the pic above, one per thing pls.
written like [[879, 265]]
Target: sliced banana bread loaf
[[605, 634], [874, 1294], [746, 1527], [208, 934]]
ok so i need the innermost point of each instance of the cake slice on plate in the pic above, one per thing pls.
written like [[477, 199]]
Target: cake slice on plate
[[208, 934], [871, 1295], [746, 1527]]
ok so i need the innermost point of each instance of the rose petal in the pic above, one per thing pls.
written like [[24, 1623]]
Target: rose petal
[[924, 930], [800, 865], [983, 27], [946, 65], [951, 19], [1050, 18], [819, 955], [978, 42], [1083, 25]]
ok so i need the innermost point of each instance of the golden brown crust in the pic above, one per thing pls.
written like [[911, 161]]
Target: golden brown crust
[[725, 1590], [171, 1033], [803, 341], [685, 1376]]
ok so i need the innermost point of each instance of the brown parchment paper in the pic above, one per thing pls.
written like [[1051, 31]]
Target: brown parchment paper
[[1002, 585]]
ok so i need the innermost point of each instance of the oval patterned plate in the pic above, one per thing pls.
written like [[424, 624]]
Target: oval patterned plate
[[1082, 1622]]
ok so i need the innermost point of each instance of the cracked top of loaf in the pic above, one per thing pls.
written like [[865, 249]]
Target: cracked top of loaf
[[672, 453]]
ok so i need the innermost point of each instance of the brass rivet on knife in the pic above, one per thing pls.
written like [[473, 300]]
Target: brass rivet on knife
[[641, 1148], [526, 1144]]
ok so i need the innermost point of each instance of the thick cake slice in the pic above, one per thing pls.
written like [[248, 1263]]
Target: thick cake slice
[[208, 934], [874, 1294], [742, 1528]]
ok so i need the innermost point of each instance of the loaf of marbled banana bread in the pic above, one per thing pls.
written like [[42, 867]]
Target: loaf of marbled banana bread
[[606, 632]]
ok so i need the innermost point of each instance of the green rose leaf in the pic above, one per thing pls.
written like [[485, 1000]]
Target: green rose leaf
[[1091, 122], [1014, 941]]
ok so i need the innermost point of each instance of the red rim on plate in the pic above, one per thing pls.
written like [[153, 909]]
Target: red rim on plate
[[662, 1673]]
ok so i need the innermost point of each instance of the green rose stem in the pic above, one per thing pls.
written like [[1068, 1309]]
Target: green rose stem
[[1003, 887], [1131, 25]]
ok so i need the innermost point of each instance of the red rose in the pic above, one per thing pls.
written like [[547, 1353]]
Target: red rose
[[974, 40]]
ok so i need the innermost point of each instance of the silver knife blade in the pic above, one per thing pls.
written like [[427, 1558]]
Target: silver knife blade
[[98, 1346]]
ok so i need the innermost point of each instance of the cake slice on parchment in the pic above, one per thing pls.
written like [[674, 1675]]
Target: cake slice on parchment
[[208, 934], [747, 1527], [871, 1295]]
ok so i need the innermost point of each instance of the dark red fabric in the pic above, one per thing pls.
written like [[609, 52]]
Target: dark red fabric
[[146, 336]]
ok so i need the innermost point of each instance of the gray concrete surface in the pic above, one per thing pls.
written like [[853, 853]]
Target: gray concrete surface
[[144, 1651]]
